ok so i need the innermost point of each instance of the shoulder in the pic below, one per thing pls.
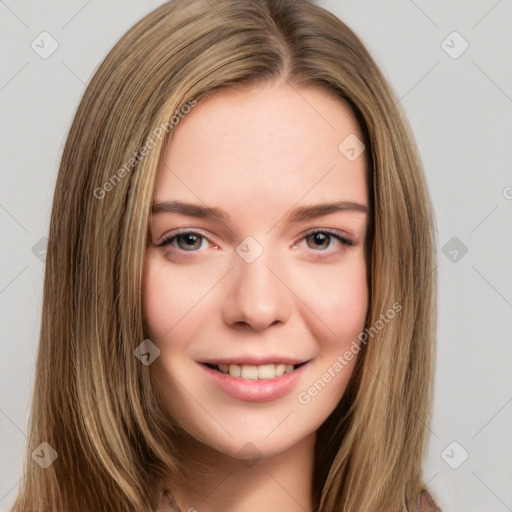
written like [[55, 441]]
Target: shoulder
[[425, 502]]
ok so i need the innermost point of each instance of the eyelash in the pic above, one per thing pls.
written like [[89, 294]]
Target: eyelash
[[333, 234]]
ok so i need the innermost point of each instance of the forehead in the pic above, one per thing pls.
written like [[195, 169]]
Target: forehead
[[263, 146]]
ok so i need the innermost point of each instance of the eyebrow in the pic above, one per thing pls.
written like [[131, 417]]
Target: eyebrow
[[298, 214]]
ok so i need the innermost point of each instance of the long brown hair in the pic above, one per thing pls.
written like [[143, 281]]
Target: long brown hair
[[93, 400]]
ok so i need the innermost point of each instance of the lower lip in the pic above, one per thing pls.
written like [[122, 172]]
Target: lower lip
[[263, 390]]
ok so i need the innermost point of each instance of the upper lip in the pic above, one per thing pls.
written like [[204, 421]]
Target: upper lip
[[256, 360]]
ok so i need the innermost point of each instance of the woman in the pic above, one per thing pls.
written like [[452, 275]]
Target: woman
[[239, 298]]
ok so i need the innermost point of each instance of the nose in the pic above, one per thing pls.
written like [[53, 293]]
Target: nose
[[258, 295]]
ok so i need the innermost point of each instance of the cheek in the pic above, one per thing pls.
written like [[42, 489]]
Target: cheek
[[337, 296], [171, 297], [160, 303], [337, 304]]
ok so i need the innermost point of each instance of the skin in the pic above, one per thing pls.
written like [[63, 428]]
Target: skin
[[257, 153]]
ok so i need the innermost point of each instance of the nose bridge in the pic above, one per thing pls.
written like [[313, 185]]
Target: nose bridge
[[257, 296]]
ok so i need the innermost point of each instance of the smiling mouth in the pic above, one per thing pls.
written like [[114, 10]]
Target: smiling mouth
[[255, 372]]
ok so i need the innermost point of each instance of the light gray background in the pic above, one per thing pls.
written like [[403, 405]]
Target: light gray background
[[460, 110]]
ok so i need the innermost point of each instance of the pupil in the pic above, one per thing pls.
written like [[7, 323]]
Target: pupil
[[191, 241], [320, 238]]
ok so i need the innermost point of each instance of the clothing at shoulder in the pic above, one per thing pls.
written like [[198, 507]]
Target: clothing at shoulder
[[426, 503]]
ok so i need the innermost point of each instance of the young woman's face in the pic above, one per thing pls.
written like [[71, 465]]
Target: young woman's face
[[254, 288]]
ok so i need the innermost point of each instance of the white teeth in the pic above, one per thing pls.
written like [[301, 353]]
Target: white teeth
[[280, 369], [266, 371], [234, 370], [253, 372], [248, 371]]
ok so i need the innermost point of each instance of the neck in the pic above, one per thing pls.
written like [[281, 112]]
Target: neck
[[213, 481]]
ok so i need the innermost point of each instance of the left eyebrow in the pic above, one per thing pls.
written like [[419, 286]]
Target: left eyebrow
[[303, 213]]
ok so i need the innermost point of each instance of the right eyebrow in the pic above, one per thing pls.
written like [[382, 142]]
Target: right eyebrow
[[192, 210]]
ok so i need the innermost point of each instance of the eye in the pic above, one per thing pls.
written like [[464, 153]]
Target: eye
[[322, 239], [319, 240], [188, 241]]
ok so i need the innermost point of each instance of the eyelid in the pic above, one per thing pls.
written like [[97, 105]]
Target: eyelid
[[331, 231]]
